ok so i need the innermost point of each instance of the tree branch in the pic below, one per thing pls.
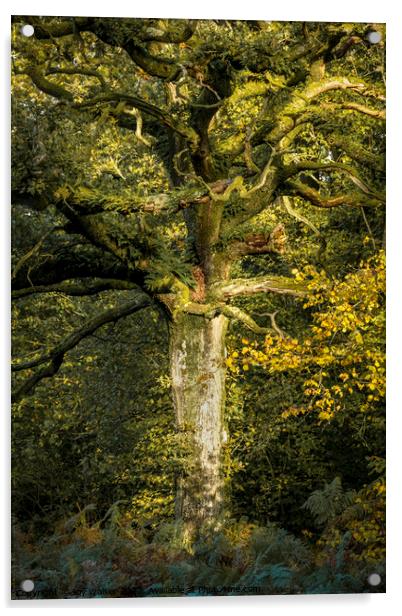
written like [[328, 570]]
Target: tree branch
[[33, 251], [274, 324], [209, 311], [374, 113], [139, 302], [77, 71], [57, 91], [303, 165], [183, 28], [233, 312], [46, 86], [157, 66], [286, 202], [285, 114], [69, 287], [314, 196], [61, 265], [28, 386], [142, 105], [357, 152], [180, 35], [97, 230], [281, 121], [261, 284]]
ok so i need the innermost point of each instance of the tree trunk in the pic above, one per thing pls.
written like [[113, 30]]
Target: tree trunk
[[197, 359]]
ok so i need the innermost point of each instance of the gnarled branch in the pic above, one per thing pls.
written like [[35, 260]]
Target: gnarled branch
[[357, 152], [314, 196], [47, 86], [33, 251], [77, 71], [61, 93], [274, 324], [303, 165], [86, 201], [286, 202], [233, 312], [141, 104], [179, 35], [261, 284], [300, 100], [374, 113]]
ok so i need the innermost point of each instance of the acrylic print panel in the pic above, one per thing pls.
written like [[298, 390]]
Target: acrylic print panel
[[198, 307]]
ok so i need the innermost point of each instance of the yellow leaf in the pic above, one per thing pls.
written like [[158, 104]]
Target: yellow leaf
[[62, 192], [359, 338]]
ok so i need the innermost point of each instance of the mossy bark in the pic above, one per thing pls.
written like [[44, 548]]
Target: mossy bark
[[197, 360]]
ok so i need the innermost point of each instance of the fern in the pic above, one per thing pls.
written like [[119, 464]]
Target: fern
[[268, 560], [329, 502], [272, 545], [277, 575]]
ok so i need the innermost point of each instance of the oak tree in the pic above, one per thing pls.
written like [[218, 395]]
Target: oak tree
[[167, 154]]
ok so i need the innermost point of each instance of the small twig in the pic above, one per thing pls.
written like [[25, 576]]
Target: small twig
[[33, 251], [274, 324], [368, 227], [205, 85], [248, 152], [138, 129], [176, 162], [286, 202], [205, 106], [263, 177]]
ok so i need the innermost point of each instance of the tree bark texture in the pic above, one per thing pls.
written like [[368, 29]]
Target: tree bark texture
[[197, 361]]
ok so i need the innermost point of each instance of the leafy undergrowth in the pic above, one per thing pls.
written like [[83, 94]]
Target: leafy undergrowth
[[83, 561]]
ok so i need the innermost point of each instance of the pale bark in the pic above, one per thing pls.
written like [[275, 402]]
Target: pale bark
[[197, 364], [280, 285]]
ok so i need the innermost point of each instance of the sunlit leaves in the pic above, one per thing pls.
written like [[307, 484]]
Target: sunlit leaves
[[343, 356]]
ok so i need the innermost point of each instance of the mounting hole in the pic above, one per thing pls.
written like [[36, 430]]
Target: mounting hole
[[27, 30], [27, 585], [374, 37], [374, 579]]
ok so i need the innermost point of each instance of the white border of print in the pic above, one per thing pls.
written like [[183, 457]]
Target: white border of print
[[341, 10]]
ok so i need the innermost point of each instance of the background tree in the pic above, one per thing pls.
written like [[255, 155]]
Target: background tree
[[162, 160]]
